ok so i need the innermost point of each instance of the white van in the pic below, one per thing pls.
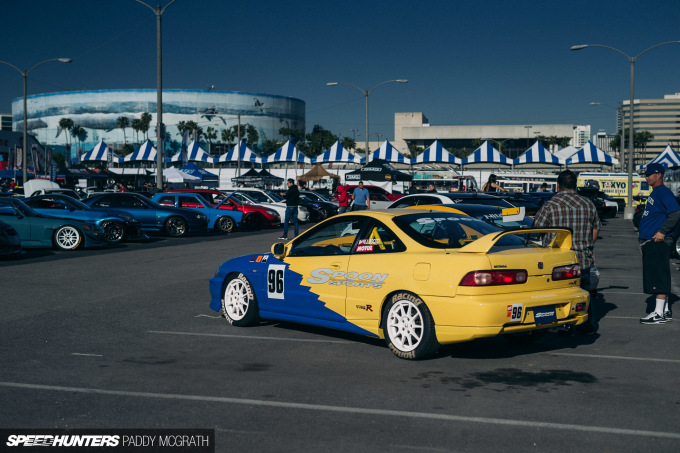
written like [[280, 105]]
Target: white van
[[38, 187]]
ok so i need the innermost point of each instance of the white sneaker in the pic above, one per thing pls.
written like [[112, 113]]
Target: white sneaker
[[653, 318]]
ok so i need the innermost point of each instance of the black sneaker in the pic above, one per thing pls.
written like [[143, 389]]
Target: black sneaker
[[283, 238], [668, 316], [653, 318]]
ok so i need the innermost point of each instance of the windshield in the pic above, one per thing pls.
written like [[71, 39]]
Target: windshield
[[448, 230], [10, 206], [275, 196], [257, 197]]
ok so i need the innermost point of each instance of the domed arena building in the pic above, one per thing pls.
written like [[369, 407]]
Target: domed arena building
[[98, 111]]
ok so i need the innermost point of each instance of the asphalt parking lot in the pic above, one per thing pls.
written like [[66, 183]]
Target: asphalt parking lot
[[124, 338]]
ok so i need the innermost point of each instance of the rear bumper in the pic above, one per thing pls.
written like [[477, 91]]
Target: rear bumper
[[464, 318]]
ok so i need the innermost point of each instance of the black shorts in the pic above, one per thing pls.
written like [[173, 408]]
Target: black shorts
[[656, 268]]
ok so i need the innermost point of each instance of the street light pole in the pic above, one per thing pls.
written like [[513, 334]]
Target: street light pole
[[366, 93], [160, 127], [623, 131], [629, 211], [24, 74]]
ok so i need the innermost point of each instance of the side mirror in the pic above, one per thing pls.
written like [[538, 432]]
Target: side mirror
[[279, 250]]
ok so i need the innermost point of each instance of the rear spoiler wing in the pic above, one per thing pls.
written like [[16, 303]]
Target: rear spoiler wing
[[562, 239]]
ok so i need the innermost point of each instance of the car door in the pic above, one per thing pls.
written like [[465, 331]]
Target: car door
[[132, 205], [312, 282], [376, 268]]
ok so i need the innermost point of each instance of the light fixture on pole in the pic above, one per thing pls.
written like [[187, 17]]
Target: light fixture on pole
[[24, 74], [366, 93], [629, 211], [623, 131], [160, 127]]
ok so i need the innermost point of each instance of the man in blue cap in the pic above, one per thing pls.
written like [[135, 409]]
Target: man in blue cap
[[657, 225]]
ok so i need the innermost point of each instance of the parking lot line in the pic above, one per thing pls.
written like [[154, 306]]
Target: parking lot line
[[248, 337], [615, 357], [348, 410]]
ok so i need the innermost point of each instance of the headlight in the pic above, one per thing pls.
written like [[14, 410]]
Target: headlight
[[271, 212]]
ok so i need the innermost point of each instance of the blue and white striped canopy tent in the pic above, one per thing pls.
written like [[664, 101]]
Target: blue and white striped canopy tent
[[486, 154], [389, 153], [287, 153], [537, 154], [591, 154], [337, 153], [145, 153], [247, 154], [565, 153], [436, 153], [668, 158], [194, 154], [99, 153]]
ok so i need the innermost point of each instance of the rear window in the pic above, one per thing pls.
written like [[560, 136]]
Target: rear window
[[447, 230]]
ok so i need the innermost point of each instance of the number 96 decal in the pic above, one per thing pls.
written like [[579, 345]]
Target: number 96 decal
[[275, 279], [515, 312]]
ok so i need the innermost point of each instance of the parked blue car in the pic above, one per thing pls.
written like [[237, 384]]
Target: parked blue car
[[176, 222], [38, 230], [219, 219], [116, 225]]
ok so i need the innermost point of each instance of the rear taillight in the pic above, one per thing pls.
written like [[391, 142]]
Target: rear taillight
[[566, 272], [492, 278]]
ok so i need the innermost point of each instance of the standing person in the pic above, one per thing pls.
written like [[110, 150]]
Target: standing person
[[544, 187], [431, 189], [655, 235], [343, 199], [412, 188], [292, 200], [361, 197], [566, 209], [491, 185]]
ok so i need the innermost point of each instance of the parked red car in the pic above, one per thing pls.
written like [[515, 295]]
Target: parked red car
[[371, 190], [253, 216]]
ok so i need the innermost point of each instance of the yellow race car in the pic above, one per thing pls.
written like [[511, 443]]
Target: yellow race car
[[417, 278]]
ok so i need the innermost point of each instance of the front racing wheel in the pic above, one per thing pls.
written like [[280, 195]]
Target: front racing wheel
[[113, 231], [67, 238], [409, 327], [225, 224], [176, 226], [238, 301]]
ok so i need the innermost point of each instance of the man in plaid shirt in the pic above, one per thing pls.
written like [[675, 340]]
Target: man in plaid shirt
[[566, 209]]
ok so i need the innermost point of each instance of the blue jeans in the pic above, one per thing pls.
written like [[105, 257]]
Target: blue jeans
[[291, 211]]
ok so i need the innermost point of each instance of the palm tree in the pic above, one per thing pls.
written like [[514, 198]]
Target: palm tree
[[228, 136], [80, 134], [146, 119], [123, 122], [136, 126], [251, 135], [65, 124], [210, 135], [348, 143]]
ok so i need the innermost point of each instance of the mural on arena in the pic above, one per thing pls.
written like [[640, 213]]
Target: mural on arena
[[97, 112]]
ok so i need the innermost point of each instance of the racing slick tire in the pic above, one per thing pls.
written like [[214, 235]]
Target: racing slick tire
[[409, 327], [67, 237], [239, 305], [113, 231], [176, 227], [225, 224]]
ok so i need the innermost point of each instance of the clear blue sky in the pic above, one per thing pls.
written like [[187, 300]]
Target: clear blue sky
[[467, 62]]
